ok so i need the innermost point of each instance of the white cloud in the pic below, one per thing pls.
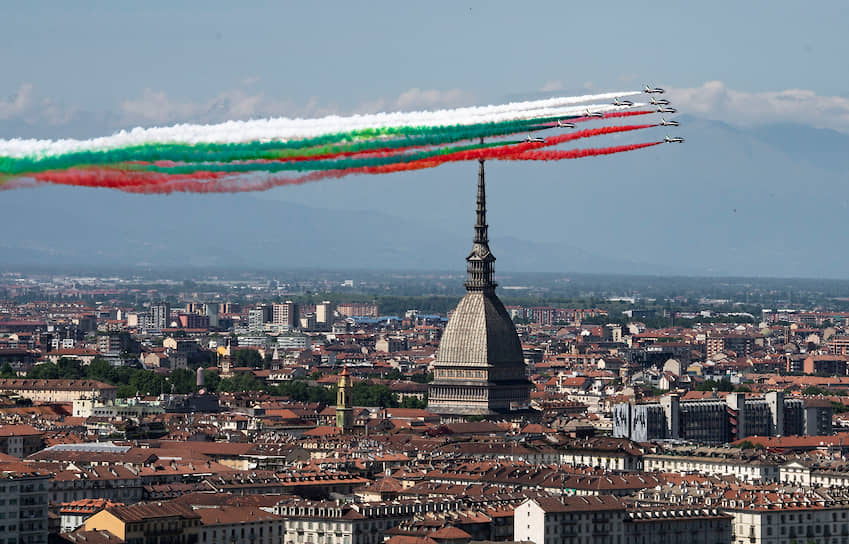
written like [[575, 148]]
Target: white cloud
[[419, 99], [432, 98], [715, 100], [551, 86], [18, 103], [157, 107], [26, 105]]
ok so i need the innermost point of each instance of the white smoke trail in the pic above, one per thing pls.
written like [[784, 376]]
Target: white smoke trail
[[287, 129]]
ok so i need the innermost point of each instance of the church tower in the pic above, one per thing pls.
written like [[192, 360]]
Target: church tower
[[344, 402], [479, 368]]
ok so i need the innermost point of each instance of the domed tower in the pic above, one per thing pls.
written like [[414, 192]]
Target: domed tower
[[479, 368]]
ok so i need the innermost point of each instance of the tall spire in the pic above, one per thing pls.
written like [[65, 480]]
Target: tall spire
[[479, 262]]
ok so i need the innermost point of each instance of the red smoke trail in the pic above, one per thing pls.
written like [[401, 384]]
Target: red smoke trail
[[118, 179], [575, 153], [615, 114], [611, 115]]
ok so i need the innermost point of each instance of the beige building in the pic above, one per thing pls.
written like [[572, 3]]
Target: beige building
[[20, 440], [58, 390], [152, 523], [748, 469]]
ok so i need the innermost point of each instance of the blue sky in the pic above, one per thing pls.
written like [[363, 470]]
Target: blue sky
[[151, 63], [86, 69]]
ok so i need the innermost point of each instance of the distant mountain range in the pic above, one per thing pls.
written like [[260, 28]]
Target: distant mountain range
[[770, 201]]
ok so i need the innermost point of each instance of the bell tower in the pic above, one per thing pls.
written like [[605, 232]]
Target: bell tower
[[344, 402]]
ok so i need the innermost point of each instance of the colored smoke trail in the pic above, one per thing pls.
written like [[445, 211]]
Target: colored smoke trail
[[185, 178], [422, 137], [270, 182], [260, 154], [118, 179], [521, 151], [615, 114], [469, 152], [575, 153], [323, 130]]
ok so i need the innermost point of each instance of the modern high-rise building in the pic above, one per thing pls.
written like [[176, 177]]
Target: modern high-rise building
[[160, 315], [285, 314], [479, 368], [721, 420], [210, 309], [324, 313]]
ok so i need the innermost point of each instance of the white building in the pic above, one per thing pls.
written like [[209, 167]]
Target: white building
[[578, 520]]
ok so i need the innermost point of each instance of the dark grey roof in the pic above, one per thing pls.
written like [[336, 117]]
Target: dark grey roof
[[480, 332]]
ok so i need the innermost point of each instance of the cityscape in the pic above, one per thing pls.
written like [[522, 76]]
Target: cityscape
[[424, 273], [250, 409]]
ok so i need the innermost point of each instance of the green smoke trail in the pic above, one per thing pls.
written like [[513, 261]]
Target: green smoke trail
[[357, 141], [331, 164]]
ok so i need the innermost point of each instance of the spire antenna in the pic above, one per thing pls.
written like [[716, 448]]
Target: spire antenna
[[479, 268]]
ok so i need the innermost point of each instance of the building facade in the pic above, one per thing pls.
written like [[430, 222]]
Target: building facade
[[721, 420], [479, 368]]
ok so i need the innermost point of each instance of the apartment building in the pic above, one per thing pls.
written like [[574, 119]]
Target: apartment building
[[23, 504]]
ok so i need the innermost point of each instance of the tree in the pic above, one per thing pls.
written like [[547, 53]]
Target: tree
[[147, 382], [243, 381], [813, 390], [301, 391], [70, 369], [101, 370], [248, 357], [44, 371], [181, 381], [710, 385], [125, 391], [422, 378], [413, 402], [7, 371], [393, 374], [211, 379], [373, 395]]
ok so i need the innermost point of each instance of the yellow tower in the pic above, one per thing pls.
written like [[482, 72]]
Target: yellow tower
[[344, 402]]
